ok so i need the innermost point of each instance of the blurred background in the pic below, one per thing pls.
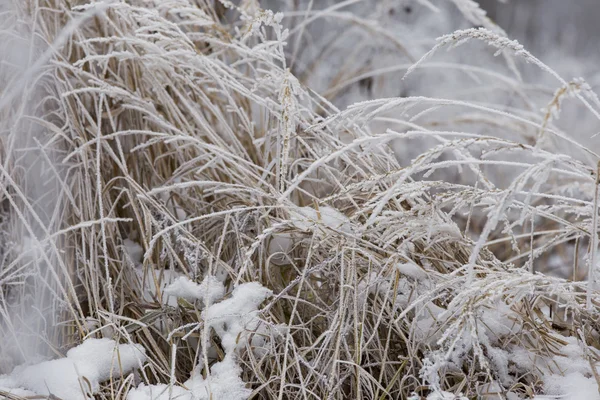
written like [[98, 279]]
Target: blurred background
[[547, 26]]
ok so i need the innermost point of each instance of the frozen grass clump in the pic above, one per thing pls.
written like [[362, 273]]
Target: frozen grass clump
[[214, 186]]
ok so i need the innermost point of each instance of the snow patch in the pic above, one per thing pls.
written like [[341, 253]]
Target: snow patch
[[572, 386], [306, 218], [224, 382], [210, 290], [445, 396], [78, 375], [412, 270], [235, 318]]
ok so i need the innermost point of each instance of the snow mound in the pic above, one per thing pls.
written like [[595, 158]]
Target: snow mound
[[234, 318], [224, 382], [210, 290], [78, 375], [571, 386]]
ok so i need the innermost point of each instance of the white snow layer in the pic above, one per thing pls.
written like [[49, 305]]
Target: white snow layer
[[234, 320], [411, 269], [569, 376], [445, 396], [153, 283], [224, 382], [78, 375], [305, 218], [210, 290]]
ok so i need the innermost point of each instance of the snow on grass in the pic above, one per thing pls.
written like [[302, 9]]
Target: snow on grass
[[570, 386], [445, 396], [210, 290], [569, 374], [307, 218], [8, 384], [412, 270], [153, 284], [223, 382], [79, 374], [234, 319]]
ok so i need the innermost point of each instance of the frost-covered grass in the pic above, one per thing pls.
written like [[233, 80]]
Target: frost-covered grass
[[292, 200]]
